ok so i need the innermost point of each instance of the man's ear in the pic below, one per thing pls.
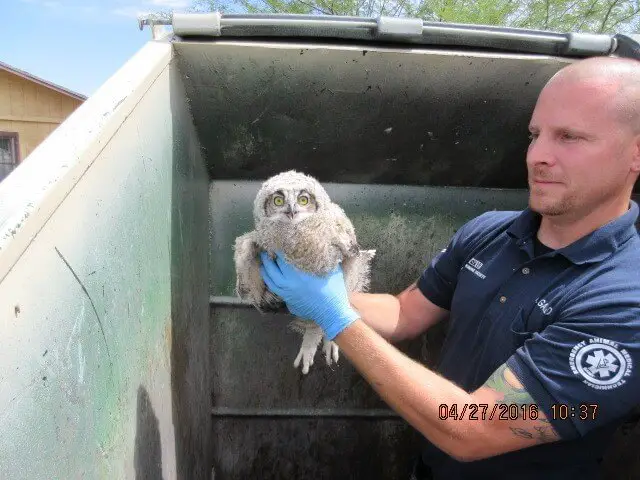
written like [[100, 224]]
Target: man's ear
[[635, 164]]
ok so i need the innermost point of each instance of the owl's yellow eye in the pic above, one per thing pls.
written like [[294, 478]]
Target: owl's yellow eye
[[278, 201], [303, 200]]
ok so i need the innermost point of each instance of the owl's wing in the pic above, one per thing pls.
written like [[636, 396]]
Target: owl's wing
[[357, 271], [249, 283], [345, 239]]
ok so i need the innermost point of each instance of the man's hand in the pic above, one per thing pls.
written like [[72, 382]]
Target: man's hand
[[323, 300]]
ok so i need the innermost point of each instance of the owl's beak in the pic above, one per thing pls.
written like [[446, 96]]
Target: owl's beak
[[290, 214]]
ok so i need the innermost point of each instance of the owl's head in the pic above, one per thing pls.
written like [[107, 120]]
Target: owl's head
[[289, 197]]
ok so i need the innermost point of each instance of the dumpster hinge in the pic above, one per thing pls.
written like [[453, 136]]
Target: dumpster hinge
[[207, 24], [581, 43], [404, 27]]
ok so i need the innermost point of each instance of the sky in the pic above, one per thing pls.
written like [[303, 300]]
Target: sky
[[77, 44]]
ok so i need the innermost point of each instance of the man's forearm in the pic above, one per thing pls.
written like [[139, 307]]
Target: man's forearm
[[381, 311], [412, 390]]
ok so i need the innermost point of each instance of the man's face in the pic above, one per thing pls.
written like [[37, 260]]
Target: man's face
[[581, 153]]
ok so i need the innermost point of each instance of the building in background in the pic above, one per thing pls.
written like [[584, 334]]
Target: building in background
[[30, 109]]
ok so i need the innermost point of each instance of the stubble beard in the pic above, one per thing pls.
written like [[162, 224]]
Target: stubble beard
[[550, 207], [572, 205]]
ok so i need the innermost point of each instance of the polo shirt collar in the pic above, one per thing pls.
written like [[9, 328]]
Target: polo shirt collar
[[593, 247]]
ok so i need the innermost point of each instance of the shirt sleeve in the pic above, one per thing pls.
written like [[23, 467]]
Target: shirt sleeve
[[581, 370], [439, 279]]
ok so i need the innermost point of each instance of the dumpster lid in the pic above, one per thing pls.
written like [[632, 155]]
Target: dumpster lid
[[203, 26]]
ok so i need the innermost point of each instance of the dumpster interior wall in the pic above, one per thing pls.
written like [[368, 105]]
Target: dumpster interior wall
[[412, 143], [191, 328]]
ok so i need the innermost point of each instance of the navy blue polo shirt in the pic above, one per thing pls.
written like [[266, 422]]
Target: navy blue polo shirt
[[567, 322]]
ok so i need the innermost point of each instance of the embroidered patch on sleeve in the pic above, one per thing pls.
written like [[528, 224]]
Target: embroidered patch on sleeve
[[601, 363]]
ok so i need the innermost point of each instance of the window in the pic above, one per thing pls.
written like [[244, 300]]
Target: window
[[8, 153]]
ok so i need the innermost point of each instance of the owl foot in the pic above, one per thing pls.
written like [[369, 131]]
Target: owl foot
[[330, 351], [311, 337]]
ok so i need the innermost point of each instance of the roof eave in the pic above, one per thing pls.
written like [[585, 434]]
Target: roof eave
[[45, 83]]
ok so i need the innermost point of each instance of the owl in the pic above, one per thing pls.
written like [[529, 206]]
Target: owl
[[293, 214]]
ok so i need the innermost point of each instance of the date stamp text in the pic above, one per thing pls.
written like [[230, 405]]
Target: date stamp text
[[483, 411]]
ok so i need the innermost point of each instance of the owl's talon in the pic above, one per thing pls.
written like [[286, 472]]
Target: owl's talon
[[306, 357], [311, 338], [330, 351]]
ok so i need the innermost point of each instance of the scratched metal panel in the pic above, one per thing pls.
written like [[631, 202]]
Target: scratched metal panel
[[364, 114], [317, 449], [271, 422], [85, 322], [191, 369], [410, 157], [260, 349], [385, 146], [406, 225]]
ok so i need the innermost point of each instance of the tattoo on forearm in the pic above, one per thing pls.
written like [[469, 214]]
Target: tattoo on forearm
[[521, 432], [544, 434], [510, 393]]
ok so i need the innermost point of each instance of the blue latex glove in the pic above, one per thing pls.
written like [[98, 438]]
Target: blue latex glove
[[323, 300]]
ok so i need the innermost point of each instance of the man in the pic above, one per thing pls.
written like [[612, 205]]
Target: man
[[540, 361]]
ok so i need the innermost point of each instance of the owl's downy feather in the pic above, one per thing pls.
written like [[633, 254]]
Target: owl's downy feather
[[294, 214]]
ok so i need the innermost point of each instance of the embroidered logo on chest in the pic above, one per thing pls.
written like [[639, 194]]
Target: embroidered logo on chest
[[544, 306], [601, 363], [474, 266]]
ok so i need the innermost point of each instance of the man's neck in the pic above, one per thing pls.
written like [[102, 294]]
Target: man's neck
[[562, 230]]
